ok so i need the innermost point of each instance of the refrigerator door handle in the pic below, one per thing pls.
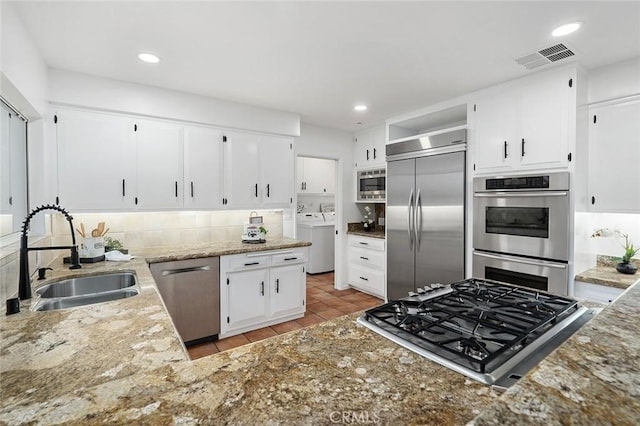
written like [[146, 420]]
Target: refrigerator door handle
[[411, 220], [418, 219]]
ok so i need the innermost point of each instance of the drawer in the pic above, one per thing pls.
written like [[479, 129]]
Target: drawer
[[287, 257], [245, 261], [369, 280], [366, 257], [370, 243]]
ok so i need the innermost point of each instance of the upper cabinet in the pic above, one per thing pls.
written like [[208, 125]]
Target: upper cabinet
[[258, 170], [203, 172], [159, 165], [614, 154], [526, 124], [316, 176], [110, 162], [96, 161], [369, 148]]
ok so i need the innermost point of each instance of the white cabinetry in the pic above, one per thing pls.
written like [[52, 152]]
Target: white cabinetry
[[159, 165], [367, 261], [261, 288], [596, 292], [258, 170], [369, 148], [526, 124], [316, 176], [96, 161], [614, 155], [202, 168]]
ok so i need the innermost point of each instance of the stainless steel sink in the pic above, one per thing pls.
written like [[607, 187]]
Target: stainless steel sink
[[89, 299], [88, 290], [88, 285]]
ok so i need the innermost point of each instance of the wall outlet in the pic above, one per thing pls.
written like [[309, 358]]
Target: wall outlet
[[381, 221]]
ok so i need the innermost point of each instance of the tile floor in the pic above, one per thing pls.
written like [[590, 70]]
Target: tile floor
[[323, 303]]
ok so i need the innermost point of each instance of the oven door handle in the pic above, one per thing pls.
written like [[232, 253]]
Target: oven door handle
[[520, 194], [520, 260]]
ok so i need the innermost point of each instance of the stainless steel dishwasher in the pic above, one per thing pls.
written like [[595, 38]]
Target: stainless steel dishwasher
[[191, 292]]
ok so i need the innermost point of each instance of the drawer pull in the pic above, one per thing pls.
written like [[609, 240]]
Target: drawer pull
[[364, 244], [363, 278], [364, 258], [290, 258], [262, 288], [252, 263]]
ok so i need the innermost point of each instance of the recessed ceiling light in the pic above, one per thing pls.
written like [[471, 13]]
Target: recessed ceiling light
[[563, 30], [149, 58], [360, 107]]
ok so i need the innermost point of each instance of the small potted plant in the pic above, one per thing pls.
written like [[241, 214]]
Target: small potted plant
[[367, 219], [625, 266], [263, 233], [114, 244]]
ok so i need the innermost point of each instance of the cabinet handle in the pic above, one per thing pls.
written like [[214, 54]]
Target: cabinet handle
[[522, 147], [364, 244], [374, 153], [268, 192], [252, 263], [176, 189], [10, 201], [364, 258], [136, 200], [123, 187], [593, 200], [185, 270], [505, 149], [367, 155], [262, 288], [363, 278], [256, 190], [277, 285], [290, 258], [301, 186]]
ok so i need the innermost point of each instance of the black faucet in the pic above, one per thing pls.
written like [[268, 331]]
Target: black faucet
[[24, 283]]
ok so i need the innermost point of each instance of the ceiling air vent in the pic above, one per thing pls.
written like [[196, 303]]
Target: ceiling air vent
[[545, 56]]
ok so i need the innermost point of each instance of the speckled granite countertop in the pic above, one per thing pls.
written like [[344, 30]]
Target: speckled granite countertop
[[355, 228], [604, 273], [122, 362]]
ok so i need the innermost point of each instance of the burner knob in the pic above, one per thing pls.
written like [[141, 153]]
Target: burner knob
[[427, 289], [436, 286], [412, 294], [420, 290]]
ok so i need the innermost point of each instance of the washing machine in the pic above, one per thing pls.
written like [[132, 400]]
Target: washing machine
[[319, 230]]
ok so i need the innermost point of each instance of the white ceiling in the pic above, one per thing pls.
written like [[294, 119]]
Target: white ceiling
[[319, 59]]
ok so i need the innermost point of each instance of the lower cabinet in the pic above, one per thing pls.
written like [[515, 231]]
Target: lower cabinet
[[596, 292], [261, 288], [367, 262]]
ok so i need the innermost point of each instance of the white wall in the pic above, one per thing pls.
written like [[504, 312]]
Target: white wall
[[322, 142], [76, 89], [614, 81]]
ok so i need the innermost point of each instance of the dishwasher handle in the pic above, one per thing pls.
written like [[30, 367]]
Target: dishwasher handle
[[185, 270]]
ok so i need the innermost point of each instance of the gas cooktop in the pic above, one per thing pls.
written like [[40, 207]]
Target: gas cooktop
[[489, 331]]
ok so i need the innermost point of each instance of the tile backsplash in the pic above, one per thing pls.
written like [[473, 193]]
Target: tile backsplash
[[137, 230]]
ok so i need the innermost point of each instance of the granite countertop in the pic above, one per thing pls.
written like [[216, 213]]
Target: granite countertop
[[355, 228], [123, 362], [604, 273]]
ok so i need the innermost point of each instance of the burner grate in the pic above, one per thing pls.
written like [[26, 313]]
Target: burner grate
[[479, 324]]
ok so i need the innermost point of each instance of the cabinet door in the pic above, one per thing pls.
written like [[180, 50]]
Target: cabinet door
[[276, 165], [544, 120], [300, 172], [203, 173], [495, 130], [96, 161], [5, 166], [159, 161], [288, 290], [614, 155], [363, 147], [247, 300], [378, 146], [329, 176], [315, 175], [241, 169]]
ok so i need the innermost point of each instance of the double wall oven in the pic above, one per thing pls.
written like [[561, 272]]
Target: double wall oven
[[521, 230]]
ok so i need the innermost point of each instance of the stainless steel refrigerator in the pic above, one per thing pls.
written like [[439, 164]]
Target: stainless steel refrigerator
[[425, 212]]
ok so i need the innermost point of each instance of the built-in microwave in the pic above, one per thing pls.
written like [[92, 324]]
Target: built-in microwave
[[372, 185]]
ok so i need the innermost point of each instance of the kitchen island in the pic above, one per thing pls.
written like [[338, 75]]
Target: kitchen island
[[123, 362]]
